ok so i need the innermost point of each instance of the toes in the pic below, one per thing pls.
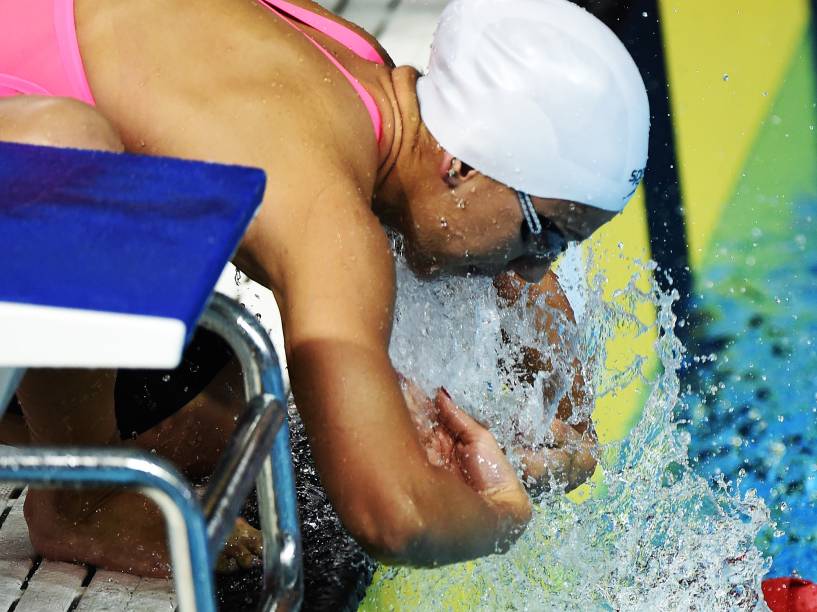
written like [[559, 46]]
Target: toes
[[256, 545], [247, 560], [243, 550], [226, 564]]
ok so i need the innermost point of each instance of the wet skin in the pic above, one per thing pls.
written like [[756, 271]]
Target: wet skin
[[479, 230], [228, 81]]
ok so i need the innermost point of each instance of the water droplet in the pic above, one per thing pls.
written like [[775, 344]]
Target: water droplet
[[461, 336], [443, 222], [645, 14], [725, 76]]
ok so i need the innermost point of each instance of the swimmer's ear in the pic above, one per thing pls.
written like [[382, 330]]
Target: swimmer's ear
[[455, 172]]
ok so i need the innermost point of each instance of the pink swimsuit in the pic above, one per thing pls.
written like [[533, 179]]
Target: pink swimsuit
[[39, 53]]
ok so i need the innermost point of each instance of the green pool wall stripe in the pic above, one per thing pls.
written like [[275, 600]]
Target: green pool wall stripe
[[782, 163]]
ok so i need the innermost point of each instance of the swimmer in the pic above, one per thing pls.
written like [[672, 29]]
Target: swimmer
[[528, 132]]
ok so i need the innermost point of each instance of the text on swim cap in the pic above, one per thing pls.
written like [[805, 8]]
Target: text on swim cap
[[636, 176]]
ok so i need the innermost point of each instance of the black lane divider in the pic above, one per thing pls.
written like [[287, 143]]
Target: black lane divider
[[637, 24], [665, 216], [813, 32]]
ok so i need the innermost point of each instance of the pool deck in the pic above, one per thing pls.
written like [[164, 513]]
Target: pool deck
[[403, 27], [30, 584]]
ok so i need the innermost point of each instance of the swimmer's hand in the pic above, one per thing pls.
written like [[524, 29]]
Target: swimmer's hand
[[455, 441], [435, 439], [568, 461]]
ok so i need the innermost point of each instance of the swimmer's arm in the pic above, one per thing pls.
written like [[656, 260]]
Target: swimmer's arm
[[577, 465], [337, 303]]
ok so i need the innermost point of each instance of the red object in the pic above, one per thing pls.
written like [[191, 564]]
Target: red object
[[790, 595]]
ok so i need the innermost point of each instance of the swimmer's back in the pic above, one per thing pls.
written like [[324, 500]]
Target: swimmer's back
[[226, 80], [142, 55]]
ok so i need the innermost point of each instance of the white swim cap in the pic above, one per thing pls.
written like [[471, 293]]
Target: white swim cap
[[539, 95]]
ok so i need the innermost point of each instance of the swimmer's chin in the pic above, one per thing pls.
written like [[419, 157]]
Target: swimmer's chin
[[428, 268], [435, 272]]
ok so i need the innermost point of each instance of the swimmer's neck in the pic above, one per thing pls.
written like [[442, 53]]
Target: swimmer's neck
[[400, 139]]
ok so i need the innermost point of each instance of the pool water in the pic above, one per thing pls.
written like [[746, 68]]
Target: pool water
[[650, 533], [752, 409], [752, 401]]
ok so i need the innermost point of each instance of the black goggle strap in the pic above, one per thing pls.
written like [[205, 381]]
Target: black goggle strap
[[529, 212]]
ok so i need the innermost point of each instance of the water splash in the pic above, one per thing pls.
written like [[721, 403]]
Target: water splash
[[653, 536]]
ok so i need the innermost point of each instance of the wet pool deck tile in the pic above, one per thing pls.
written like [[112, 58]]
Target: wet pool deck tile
[[31, 584]]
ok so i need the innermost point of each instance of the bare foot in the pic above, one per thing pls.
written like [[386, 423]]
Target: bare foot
[[243, 550], [114, 530], [119, 531]]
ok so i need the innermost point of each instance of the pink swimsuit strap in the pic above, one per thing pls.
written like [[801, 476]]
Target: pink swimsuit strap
[[43, 57], [345, 36]]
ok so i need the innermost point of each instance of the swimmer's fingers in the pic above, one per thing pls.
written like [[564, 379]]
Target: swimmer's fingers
[[419, 405], [556, 468], [481, 461], [544, 469], [563, 434], [462, 427]]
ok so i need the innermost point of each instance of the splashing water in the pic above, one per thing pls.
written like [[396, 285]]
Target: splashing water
[[653, 536], [451, 333]]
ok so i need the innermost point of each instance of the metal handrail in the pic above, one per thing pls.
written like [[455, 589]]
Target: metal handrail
[[275, 483], [259, 449], [150, 475]]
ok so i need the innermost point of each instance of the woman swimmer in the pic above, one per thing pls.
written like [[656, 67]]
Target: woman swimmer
[[529, 131]]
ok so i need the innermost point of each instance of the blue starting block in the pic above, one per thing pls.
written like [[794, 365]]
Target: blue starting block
[[110, 261]]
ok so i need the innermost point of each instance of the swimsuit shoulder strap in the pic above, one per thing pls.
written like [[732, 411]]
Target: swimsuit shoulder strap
[[352, 40]]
